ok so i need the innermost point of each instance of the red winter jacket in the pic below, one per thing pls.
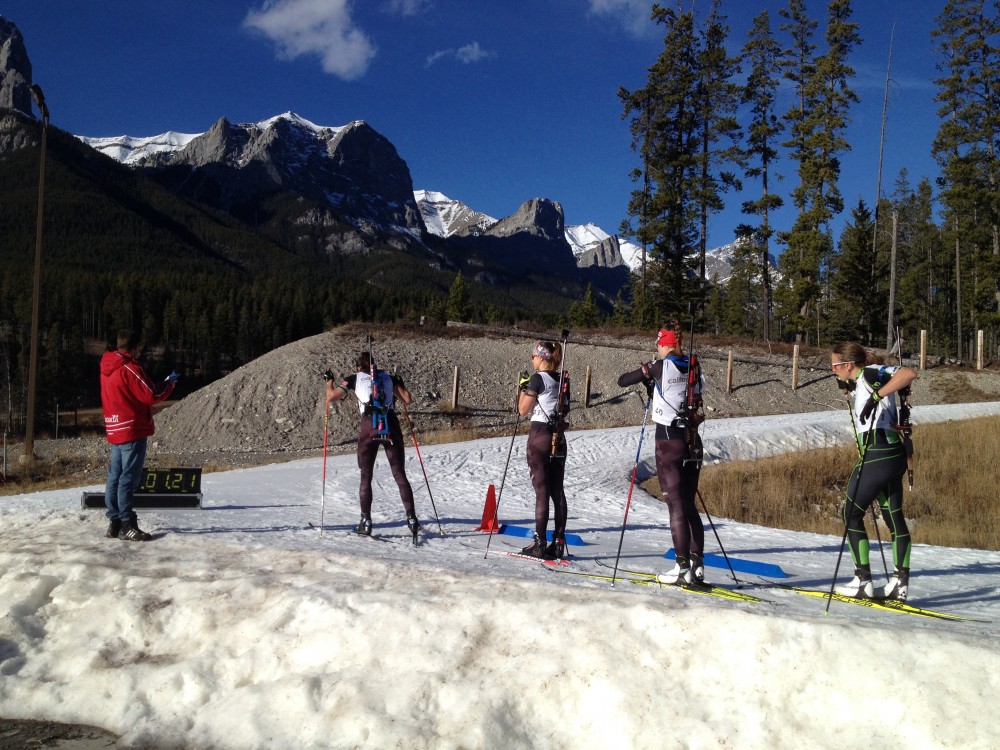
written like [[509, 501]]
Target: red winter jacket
[[128, 395]]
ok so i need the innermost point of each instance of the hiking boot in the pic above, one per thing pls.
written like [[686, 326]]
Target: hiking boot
[[697, 567], [896, 587], [860, 586], [114, 528], [679, 576], [535, 549], [556, 549], [131, 532], [364, 526]]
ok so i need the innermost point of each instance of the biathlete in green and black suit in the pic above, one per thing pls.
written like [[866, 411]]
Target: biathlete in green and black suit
[[879, 471]]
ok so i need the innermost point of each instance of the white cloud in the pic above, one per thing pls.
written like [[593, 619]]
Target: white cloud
[[316, 27], [408, 7], [470, 53], [634, 15]]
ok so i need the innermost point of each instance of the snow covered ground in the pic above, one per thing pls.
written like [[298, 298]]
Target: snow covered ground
[[243, 626]]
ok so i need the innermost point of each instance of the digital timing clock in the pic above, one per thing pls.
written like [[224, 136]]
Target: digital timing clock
[[178, 487], [179, 481]]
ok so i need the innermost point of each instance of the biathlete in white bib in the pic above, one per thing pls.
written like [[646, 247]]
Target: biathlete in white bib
[[678, 449], [546, 451]]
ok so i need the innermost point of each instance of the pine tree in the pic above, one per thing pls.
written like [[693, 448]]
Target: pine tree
[[967, 147], [720, 130], [459, 306], [818, 124], [763, 55], [665, 125]]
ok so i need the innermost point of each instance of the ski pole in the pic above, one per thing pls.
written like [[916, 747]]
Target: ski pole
[[861, 467], [322, 502], [717, 539], [416, 446], [503, 479], [628, 501]]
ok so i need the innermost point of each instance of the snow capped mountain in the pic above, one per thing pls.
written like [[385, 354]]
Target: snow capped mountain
[[129, 150], [444, 216], [133, 151], [719, 262], [591, 245]]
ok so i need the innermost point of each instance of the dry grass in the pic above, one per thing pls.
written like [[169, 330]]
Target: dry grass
[[953, 502]]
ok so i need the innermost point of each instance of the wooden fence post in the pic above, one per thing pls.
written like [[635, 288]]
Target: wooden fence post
[[795, 367], [979, 349], [923, 349], [586, 389], [454, 391], [729, 373]]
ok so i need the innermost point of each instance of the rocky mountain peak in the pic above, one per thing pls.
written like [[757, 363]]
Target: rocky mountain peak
[[538, 217], [15, 69]]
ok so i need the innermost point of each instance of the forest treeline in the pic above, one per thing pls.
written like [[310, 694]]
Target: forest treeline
[[709, 121]]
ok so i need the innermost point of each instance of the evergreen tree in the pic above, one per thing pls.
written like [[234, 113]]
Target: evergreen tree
[[967, 147], [720, 131], [459, 307], [665, 125], [818, 123], [763, 56]]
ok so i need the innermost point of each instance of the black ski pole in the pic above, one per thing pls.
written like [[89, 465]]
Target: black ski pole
[[628, 502], [503, 480], [416, 446], [861, 467], [878, 534], [711, 523]]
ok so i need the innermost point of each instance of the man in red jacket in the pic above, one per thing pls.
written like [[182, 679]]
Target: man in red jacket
[[127, 395]]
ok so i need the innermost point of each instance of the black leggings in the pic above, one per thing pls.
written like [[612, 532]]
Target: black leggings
[[878, 475], [368, 451], [679, 488], [547, 474]]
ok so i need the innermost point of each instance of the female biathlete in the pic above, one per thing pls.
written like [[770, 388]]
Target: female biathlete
[[678, 449], [546, 450], [879, 471]]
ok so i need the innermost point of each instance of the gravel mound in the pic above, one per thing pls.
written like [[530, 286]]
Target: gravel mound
[[273, 406]]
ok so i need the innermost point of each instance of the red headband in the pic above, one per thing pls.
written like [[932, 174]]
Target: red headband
[[666, 338]]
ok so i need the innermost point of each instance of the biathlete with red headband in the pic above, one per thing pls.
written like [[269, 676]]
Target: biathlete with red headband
[[678, 472]]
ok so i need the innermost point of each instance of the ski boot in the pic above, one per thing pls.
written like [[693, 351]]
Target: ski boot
[[556, 549], [535, 549], [896, 587], [860, 586], [697, 567], [114, 528], [131, 532], [679, 576], [414, 526], [364, 526]]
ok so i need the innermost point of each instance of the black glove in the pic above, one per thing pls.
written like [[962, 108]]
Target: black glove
[[869, 408]]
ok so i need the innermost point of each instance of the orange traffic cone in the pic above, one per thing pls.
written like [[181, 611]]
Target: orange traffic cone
[[489, 522]]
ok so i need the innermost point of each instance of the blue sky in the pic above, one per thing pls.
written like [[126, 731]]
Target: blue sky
[[491, 102]]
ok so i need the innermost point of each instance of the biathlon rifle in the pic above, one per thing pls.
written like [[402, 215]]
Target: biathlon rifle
[[904, 428], [562, 399], [693, 417], [379, 406]]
